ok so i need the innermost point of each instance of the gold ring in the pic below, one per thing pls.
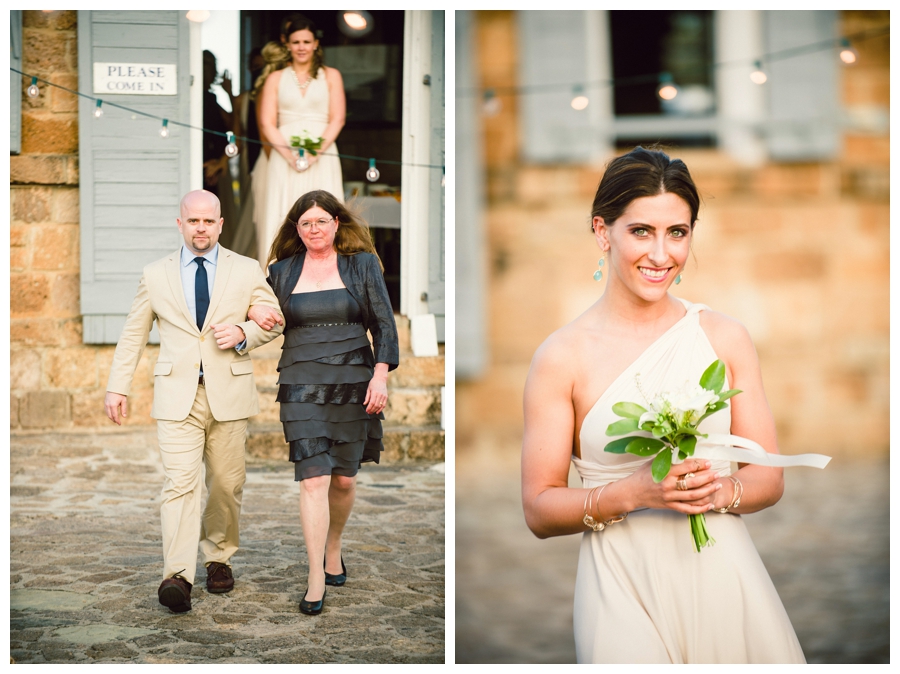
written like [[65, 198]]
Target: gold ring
[[687, 475], [681, 485]]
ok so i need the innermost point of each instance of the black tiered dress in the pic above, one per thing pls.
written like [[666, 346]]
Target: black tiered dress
[[324, 372]]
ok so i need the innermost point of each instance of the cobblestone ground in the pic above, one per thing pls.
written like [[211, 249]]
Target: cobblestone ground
[[86, 558], [825, 545]]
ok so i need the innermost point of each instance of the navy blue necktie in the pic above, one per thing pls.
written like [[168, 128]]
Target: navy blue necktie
[[201, 292]]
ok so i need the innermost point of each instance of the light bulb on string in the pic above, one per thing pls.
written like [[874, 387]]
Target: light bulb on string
[[231, 149], [373, 173], [491, 105], [302, 162], [667, 89], [98, 111], [164, 129], [33, 90], [848, 54], [579, 100], [198, 15], [443, 177], [758, 76]]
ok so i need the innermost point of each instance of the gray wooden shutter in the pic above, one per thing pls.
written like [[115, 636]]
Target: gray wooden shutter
[[436, 222], [132, 180], [553, 50], [804, 123], [15, 81]]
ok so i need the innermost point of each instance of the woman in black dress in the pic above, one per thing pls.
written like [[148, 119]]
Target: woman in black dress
[[332, 388]]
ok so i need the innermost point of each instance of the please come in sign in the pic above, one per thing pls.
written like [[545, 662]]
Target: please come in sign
[[148, 79]]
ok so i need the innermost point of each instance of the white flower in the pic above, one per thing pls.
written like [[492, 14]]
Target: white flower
[[647, 416]]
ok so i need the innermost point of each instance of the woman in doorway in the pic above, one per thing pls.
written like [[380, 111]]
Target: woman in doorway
[[643, 592], [304, 99], [332, 388]]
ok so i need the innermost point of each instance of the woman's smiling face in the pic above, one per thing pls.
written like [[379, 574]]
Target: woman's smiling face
[[648, 245]]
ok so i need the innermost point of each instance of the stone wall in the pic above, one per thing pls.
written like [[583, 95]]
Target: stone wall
[[797, 252]]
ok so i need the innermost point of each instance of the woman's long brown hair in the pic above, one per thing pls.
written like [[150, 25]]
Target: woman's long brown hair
[[352, 235]]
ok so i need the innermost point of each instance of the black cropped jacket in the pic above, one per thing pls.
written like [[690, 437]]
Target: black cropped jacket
[[362, 275]]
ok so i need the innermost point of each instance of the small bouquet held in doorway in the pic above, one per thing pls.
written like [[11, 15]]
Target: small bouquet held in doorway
[[672, 421], [307, 143]]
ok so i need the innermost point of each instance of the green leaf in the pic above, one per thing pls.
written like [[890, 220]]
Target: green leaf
[[647, 426], [628, 410], [713, 378], [727, 394], [687, 444], [644, 446], [687, 430], [618, 446], [622, 427], [661, 465], [712, 410]]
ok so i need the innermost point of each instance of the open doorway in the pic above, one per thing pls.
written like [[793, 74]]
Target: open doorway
[[371, 64]]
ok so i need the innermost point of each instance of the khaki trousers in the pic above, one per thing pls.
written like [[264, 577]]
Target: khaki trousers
[[186, 446]]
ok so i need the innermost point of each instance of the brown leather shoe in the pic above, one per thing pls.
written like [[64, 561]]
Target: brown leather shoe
[[175, 594], [219, 578]]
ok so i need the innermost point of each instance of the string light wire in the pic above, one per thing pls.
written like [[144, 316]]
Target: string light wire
[[228, 135]]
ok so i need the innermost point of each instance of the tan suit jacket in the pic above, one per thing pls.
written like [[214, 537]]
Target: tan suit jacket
[[230, 387]]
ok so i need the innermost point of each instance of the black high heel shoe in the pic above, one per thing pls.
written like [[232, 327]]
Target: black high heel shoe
[[337, 579], [312, 607]]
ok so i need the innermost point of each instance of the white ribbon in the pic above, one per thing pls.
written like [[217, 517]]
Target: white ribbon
[[743, 450]]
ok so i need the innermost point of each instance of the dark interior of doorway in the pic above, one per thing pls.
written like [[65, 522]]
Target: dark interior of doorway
[[372, 70]]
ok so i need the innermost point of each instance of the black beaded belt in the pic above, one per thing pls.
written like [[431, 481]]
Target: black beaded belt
[[325, 325], [202, 381]]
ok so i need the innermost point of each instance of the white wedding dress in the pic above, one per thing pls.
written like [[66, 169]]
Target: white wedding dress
[[643, 594]]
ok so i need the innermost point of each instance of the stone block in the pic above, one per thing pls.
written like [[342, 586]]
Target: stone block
[[395, 442], [413, 407], [18, 235], [45, 409], [785, 265], [88, 410], [71, 368], [45, 53], [70, 333], [427, 445], [28, 294], [19, 258], [45, 332], [265, 372], [72, 170], [49, 134], [65, 295], [37, 169], [58, 19], [140, 404], [56, 248], [13, 411], [61, 100], [403, 333], [266, 442], [30, 204], [65, 207], [269, 408], [24, 370], [418, 372]]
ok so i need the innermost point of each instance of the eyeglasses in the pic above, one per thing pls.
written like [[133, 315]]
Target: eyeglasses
[[307, 225]]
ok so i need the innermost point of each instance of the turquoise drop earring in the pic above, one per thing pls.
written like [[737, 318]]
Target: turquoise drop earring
[[599, 274], [678, 279]]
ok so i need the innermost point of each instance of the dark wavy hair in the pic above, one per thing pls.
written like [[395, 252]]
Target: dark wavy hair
[[642, 173], [294, 22], [352, 236]]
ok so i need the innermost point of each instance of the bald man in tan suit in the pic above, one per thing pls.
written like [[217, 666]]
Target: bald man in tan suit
[[204, 390]]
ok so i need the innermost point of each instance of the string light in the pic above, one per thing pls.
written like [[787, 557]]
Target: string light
[[667, 89], [197, 15], [848, 54], [443, 177], [579, 100], [373, 173], [491, 105], [164, 130], [758, 76], [33, 90], [302, 162], [231, 149]]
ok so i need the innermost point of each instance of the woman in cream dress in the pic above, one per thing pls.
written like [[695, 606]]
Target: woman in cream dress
[[643, 593], [304, 99]]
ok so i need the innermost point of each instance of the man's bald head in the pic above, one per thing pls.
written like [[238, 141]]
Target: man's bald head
[[201, 221], [200, 199]]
